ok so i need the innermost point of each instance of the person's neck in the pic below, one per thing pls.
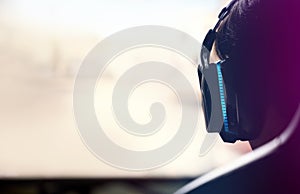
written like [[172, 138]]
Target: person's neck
[[275, 124]]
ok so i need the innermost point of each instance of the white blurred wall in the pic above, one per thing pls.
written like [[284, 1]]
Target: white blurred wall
[[42, 44]]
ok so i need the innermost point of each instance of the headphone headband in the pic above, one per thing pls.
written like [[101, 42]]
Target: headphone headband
[[225, 11], [211, 36]]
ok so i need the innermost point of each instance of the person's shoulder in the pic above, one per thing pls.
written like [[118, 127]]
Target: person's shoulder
[[275, 173]]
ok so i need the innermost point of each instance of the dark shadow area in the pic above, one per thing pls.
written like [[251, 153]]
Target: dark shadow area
[[90, 186]]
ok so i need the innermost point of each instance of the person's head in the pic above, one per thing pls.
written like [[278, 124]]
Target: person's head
[[260, 40]]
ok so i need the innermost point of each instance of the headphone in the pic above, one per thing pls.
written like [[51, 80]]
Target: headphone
[[219, 100]]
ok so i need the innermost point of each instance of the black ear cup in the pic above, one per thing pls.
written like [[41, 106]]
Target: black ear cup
[[219, 103], [211, 98]]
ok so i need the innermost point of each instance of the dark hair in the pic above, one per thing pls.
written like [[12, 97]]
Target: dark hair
[[260, 38], [230, 31]]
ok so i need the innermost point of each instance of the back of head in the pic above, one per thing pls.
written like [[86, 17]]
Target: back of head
[[261, 40]]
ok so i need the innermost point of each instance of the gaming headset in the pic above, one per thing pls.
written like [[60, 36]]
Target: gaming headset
[[219, 100]]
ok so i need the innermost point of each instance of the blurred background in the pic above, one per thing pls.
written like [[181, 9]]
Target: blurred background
[[42, 44]]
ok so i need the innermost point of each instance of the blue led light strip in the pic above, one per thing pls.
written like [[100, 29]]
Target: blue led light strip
[[222, 96]]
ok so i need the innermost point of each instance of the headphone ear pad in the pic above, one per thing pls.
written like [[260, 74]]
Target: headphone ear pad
[[233, 103], [227, 97]]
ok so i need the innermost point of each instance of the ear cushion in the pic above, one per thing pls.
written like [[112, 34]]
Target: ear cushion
[[229, 130], [222, 97], [236, 131]]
